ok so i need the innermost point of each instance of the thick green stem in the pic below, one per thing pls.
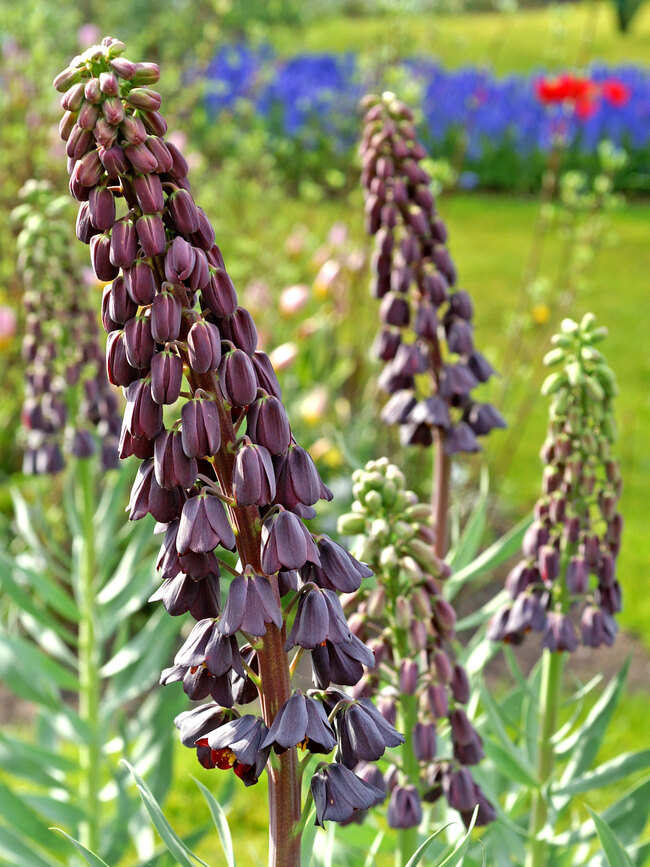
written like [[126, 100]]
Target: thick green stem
[[408, 837], [551, 686], [89, 681]]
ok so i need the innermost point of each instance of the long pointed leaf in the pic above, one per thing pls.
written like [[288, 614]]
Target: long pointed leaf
[[456, 856], [610, 772], [220, 822], [614, 851], [420, 852], [89, 857], [493, 556], [21, 853], [470, 540], [170, 838]]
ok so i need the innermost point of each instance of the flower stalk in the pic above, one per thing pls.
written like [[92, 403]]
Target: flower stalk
[[90, 757], [549, 701], [178, 338]]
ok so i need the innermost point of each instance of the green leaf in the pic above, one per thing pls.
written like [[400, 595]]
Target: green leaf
[[493, 556], [26, 598], [609, 772], [167, 834], [584, 743], [33, 762], [470, 540], [614, 851], [308, 838], [55, 810], [507, 764], [30, 659], [43, 585], [89, 857], [20, 853], [221, 823], [19, 815], [505, 750], [456, 856], [419, 853], [376, 843]]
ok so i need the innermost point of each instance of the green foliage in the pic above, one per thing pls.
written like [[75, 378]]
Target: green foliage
[[44, 657]]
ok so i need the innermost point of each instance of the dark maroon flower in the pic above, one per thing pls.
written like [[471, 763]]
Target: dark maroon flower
[[338, 793], [251, 604], [204, 525], [362, 732], [297, 479], [340, 663], [268, 425], [171, 465], [253, 480], [338, 569], [319, 618], [559, 633], [151, 233], [468, 746], [166, 377], [238, 744], [147, 497], [138, 342], [200, 721], [140, 282], [301, 721], [200, 428], [181, 594], [203, 346], [237, 379], [404, 807], [143, 416], [286, 543]]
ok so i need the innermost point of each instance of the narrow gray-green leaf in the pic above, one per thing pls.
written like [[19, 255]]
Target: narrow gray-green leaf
[[508, 764], [167, 834], [493, 556], [420, 852], [585, 742], [609, 772], [89, 857], [376, 843], [614, 851], [456, 856], [220, 822], [19, 851], [470, 540]]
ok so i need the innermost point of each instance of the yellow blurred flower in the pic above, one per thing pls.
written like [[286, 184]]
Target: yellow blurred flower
[[541, 313], [326, 278], [314, 405], [326, 452]]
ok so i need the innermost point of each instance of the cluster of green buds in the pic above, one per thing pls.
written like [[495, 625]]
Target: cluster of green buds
[[568, 570], [402, 615], [68, 400]]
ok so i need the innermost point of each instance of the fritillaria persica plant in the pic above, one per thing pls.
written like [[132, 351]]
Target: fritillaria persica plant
[[565, 586], [410, 627], [67, 395], [220, 468], [426, 339]]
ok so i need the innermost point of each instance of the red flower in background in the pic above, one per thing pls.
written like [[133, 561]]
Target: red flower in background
[[615, 92], [582, 94]]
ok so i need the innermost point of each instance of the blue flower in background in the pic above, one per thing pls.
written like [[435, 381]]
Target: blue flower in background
[[311, 102]]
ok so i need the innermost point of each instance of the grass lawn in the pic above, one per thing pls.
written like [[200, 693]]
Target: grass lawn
[[553, 36]]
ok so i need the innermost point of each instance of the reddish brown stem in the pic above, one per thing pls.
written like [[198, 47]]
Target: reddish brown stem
[[275, 690], [284, 780], [440, 493]]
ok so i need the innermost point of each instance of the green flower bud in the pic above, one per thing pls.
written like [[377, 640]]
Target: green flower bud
[[351, 525]]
